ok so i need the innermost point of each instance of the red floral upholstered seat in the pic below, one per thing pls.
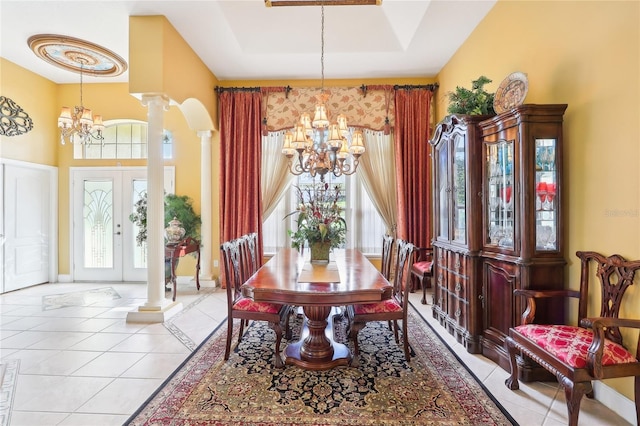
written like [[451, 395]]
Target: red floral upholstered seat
[[246, 304], [390, 305], [570, 344], [593, 350]]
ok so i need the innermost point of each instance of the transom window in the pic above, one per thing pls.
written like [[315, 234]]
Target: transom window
[[123, 139]]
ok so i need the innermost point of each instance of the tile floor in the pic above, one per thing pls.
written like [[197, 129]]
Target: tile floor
[[68, 357]]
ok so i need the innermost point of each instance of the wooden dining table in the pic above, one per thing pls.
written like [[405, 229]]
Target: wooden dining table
[[289, 278]]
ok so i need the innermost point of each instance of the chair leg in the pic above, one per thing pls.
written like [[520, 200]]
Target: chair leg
[[573, 393], [512, 380], [275, 326], [405, 338], [227, 350], [395, 331], [241, 332], [355, 329]]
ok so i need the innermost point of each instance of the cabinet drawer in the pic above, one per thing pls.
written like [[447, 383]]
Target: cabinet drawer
[[457, 310], [457, 263], [457, 284]]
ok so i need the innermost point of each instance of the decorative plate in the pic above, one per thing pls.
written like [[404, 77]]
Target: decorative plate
[[511, 92]]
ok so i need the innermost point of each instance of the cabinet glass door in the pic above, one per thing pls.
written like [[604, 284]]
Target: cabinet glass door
[[459, 190], [443, 190], [546, 200], [500, 196]]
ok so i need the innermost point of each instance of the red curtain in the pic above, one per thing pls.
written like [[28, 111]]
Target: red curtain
[[413, 164], [240, 162]]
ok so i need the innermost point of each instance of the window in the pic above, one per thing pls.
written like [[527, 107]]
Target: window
[[123, 139], [365, 227]]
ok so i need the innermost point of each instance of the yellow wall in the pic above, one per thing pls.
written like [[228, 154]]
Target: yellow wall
[[585, 54], [37, 97]]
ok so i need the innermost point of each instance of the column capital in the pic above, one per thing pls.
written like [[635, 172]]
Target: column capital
[[149, 99], [204, 134]]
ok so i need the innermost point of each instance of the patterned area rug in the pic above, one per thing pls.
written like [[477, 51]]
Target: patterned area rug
[[79, 298], [434, 388]]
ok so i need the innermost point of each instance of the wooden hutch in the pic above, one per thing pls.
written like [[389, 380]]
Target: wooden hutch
[[498, 185]]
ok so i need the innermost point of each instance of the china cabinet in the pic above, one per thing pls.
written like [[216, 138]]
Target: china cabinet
[[522, 224], [457, 223]]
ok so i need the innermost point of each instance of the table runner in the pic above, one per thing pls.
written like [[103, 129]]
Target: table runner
[[319, 273]]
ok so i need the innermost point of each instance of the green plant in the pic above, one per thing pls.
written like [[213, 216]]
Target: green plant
[[178, 206], [472, 102], [319, 216]]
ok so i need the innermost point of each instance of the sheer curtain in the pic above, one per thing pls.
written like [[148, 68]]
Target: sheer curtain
[[378, 175], [276, 178]]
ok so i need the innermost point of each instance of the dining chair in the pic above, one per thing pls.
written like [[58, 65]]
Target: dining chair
[[422, 270], [244, 308], [392, 309]]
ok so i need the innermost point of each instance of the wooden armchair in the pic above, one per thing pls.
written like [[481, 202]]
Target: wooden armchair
[[422, 269], [592, 350]]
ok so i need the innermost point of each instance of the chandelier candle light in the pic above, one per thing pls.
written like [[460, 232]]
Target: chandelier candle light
[[322, 146], [81, 122]]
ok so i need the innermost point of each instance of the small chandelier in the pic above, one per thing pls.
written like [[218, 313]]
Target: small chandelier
[[80, 122], [322, 146]]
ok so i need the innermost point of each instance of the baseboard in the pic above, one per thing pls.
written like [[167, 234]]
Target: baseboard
[[617, 402]]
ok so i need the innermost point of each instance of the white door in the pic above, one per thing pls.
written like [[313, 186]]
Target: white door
[[104, 243], [27, 225]]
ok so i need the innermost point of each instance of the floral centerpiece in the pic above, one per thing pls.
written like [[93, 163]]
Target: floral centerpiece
[[320, 224]]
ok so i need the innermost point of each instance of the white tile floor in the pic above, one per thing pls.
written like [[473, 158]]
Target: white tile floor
[[71, 360]]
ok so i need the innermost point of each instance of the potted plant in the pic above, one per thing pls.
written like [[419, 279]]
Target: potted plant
[[472, 102], [178, 207], [320, 224]]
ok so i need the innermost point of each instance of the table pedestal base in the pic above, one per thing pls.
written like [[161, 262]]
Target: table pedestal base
[[316, 349]]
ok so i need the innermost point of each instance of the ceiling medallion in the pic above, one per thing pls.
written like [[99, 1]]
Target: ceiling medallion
[[270, 3], [76, 55]]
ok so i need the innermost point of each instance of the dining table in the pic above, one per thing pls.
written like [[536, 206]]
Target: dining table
[[289, 278]]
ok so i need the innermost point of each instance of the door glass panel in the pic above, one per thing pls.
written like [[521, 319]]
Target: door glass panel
[[98, 224], [500, 197], [459, 190], [546, 200], [443, 191], [139, 250]]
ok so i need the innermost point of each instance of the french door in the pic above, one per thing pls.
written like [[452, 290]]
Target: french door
[[104, 243]]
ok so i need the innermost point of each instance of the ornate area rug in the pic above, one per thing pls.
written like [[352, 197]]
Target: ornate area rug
[[434, 388]]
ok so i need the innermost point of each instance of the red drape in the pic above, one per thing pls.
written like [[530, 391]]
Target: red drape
[[413, 164], [240, 163]]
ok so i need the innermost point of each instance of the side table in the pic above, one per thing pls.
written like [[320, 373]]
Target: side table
[[174, 251]]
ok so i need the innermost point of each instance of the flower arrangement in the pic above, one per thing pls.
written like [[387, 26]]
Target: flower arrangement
[[476, 101], [319, 216]]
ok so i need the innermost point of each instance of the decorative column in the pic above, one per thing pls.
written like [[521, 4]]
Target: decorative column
[[157, 308], [206, 251]]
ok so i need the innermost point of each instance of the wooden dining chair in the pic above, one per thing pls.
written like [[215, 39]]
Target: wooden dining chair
[[590, 350], [422, 269], [393, 309], [244, 308]]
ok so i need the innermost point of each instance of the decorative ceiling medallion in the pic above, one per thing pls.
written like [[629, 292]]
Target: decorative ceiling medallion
[[76, 55]]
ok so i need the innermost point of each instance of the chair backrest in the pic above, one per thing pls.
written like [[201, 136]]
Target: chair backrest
[[402, 276], [616, 275], [251, 252], [387, 256], [232, 265]]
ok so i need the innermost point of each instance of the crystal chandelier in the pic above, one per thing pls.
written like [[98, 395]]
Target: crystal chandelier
[[80, 122], [322, 146]]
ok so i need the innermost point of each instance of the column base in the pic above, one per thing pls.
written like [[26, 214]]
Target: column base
[[153, 314]]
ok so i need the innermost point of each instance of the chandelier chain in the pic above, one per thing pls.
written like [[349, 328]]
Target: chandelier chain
[[322, 49]]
